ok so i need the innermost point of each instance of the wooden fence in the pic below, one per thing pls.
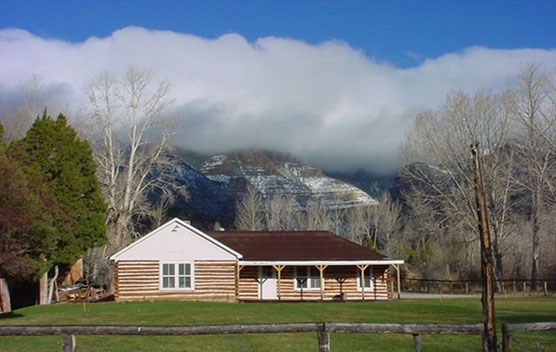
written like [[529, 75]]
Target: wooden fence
[[505, 286], [508, 328], [323, 330]]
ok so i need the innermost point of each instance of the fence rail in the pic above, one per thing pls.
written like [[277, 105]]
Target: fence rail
[[508, 328], [323, 330], [505, 286]]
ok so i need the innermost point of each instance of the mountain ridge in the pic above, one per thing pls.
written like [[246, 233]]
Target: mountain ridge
[[217, 182]]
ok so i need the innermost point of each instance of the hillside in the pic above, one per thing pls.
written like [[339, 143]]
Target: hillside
[[216, 182]]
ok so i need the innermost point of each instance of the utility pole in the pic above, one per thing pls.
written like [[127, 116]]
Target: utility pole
[[487, 264]]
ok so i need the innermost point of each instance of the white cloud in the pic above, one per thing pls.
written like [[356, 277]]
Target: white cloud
[[328, 103]]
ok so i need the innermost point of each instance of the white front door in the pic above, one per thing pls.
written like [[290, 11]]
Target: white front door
[[267, 283]]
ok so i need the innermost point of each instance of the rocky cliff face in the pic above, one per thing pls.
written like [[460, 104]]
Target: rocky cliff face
[[208, 201], [217, 182], [273, 173]]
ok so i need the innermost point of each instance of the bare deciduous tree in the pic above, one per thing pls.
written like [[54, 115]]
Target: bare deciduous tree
[[517, 133], [129, 139], [290, 213], [438, 166], [358, 224], [387, 223], [316, 217], [33, 102], [274, 212], [535, 110], [248, 211]]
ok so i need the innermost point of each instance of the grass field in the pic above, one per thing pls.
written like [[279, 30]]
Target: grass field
[[510, 310]]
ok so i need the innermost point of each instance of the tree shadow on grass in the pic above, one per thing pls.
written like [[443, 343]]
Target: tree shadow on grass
[[527, 319], [9, 315]]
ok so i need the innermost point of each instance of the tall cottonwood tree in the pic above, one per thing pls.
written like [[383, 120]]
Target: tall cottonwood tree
[[315, 216], [337, 218], [33, 96], [18, 119], [249, 211], [273, 212], [534, 107], [281, 212], [386, 217], [517, 134], [129, 140], [285, 213], [290, 212], [358, 225], [438, 168]]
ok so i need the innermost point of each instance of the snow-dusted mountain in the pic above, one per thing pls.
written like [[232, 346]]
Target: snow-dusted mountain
[[274, 173], [217, 182], [208, 201]]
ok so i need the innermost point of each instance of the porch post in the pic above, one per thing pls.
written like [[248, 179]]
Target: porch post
[[362, 269], [238, 270], [373, 280], [398, 280], [321, 271], [279, 269], [5, 301]]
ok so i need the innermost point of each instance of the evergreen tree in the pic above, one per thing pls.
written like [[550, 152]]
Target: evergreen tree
[[24, 224], [52, 152]]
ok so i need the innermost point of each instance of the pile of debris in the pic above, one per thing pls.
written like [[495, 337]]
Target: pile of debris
[[79, 292]]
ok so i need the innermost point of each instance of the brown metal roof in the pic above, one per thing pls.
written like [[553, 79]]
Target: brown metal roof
[[293, 245]]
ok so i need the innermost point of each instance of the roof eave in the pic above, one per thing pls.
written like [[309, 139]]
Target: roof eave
[[386, 261]]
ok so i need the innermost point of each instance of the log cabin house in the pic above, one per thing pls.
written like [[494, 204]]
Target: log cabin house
[[178, 261]]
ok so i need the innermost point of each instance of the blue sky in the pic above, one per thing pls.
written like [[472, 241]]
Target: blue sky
[[337, 83], [400, 32]]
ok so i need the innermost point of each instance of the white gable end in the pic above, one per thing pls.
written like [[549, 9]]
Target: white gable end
[[176, 241]]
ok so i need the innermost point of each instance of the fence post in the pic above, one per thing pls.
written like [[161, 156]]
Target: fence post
[[417, 343], [68, 343], [506, 339], [5, 302], [324, 339]]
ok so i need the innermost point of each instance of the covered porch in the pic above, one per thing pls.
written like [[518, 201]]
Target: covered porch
[[355, 280]]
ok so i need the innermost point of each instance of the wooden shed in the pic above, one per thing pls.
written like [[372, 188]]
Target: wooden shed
[[178, 261]]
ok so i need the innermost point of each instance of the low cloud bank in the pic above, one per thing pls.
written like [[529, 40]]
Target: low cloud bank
[[328, 103]]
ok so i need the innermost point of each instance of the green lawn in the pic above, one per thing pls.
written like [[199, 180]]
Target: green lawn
[[511, 310]]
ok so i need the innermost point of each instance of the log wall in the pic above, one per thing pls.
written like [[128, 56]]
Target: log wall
[[248, 285], [216, 280], [140, 280]]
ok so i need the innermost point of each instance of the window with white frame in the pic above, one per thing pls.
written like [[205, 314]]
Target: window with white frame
[[307, 277], [368, 282], [176, 276]]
